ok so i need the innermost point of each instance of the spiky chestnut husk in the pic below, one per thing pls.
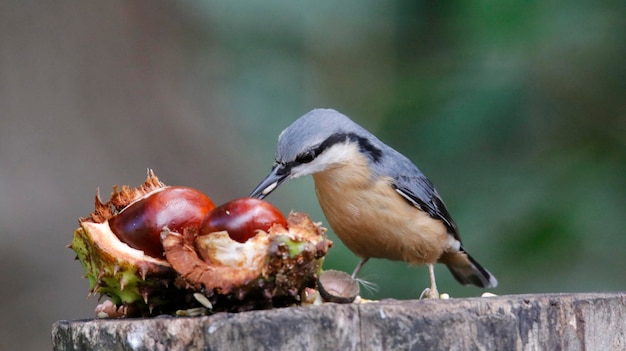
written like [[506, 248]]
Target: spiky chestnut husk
[[269, 270], [126, 275]]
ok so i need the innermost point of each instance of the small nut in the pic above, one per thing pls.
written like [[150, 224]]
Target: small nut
[[337, 286]]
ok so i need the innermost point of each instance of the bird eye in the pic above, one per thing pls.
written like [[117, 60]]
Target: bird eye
[[305, 157]]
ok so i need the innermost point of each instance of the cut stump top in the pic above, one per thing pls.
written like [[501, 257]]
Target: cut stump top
[[591, 321]]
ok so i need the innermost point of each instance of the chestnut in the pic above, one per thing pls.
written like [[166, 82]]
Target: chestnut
[[242, 218], [140, 224]]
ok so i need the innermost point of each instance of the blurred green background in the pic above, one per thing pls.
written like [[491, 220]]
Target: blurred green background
[[516, 110]]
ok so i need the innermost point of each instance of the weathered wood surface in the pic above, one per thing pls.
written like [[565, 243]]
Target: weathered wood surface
[[517, 322]]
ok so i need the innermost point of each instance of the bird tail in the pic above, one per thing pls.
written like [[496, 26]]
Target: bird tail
[[467, 271]]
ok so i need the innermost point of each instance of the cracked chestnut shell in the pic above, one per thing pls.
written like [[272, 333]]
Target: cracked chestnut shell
[[270, 269]]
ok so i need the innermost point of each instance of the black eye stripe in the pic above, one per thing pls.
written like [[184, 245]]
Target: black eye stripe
[[364, 146], [307, 156]]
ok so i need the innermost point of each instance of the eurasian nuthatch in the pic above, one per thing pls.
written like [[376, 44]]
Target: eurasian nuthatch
[[375, 199]]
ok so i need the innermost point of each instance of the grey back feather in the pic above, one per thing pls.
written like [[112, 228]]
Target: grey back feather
[[313, 128]]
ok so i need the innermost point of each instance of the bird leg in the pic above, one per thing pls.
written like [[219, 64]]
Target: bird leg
[[359, 266], [432, 292]]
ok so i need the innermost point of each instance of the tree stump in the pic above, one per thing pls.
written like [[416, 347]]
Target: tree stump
[[590, 321]]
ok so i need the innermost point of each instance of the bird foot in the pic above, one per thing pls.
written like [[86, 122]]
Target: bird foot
[[429, 293]]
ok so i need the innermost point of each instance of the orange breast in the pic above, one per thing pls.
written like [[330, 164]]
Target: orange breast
[[372, 220]]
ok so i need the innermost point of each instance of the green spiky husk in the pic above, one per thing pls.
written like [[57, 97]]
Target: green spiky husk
[[122, 273], [144, 285]]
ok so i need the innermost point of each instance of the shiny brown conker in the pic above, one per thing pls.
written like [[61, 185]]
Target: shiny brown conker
[[242, 218], [140, 224]]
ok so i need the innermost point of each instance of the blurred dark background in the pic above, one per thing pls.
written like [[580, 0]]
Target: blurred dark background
[[515, 110]]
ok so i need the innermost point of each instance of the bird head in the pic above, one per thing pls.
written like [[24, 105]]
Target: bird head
[[318, 141]]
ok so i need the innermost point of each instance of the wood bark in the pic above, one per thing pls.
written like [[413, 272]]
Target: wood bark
[[590, 321]]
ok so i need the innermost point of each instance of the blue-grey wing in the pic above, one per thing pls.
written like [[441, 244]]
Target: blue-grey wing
[[421, 193]]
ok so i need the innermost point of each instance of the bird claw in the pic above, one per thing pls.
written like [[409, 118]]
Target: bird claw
[[429, 293]]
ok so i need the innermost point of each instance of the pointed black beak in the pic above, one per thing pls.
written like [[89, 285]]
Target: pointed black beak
[[276, 177]]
